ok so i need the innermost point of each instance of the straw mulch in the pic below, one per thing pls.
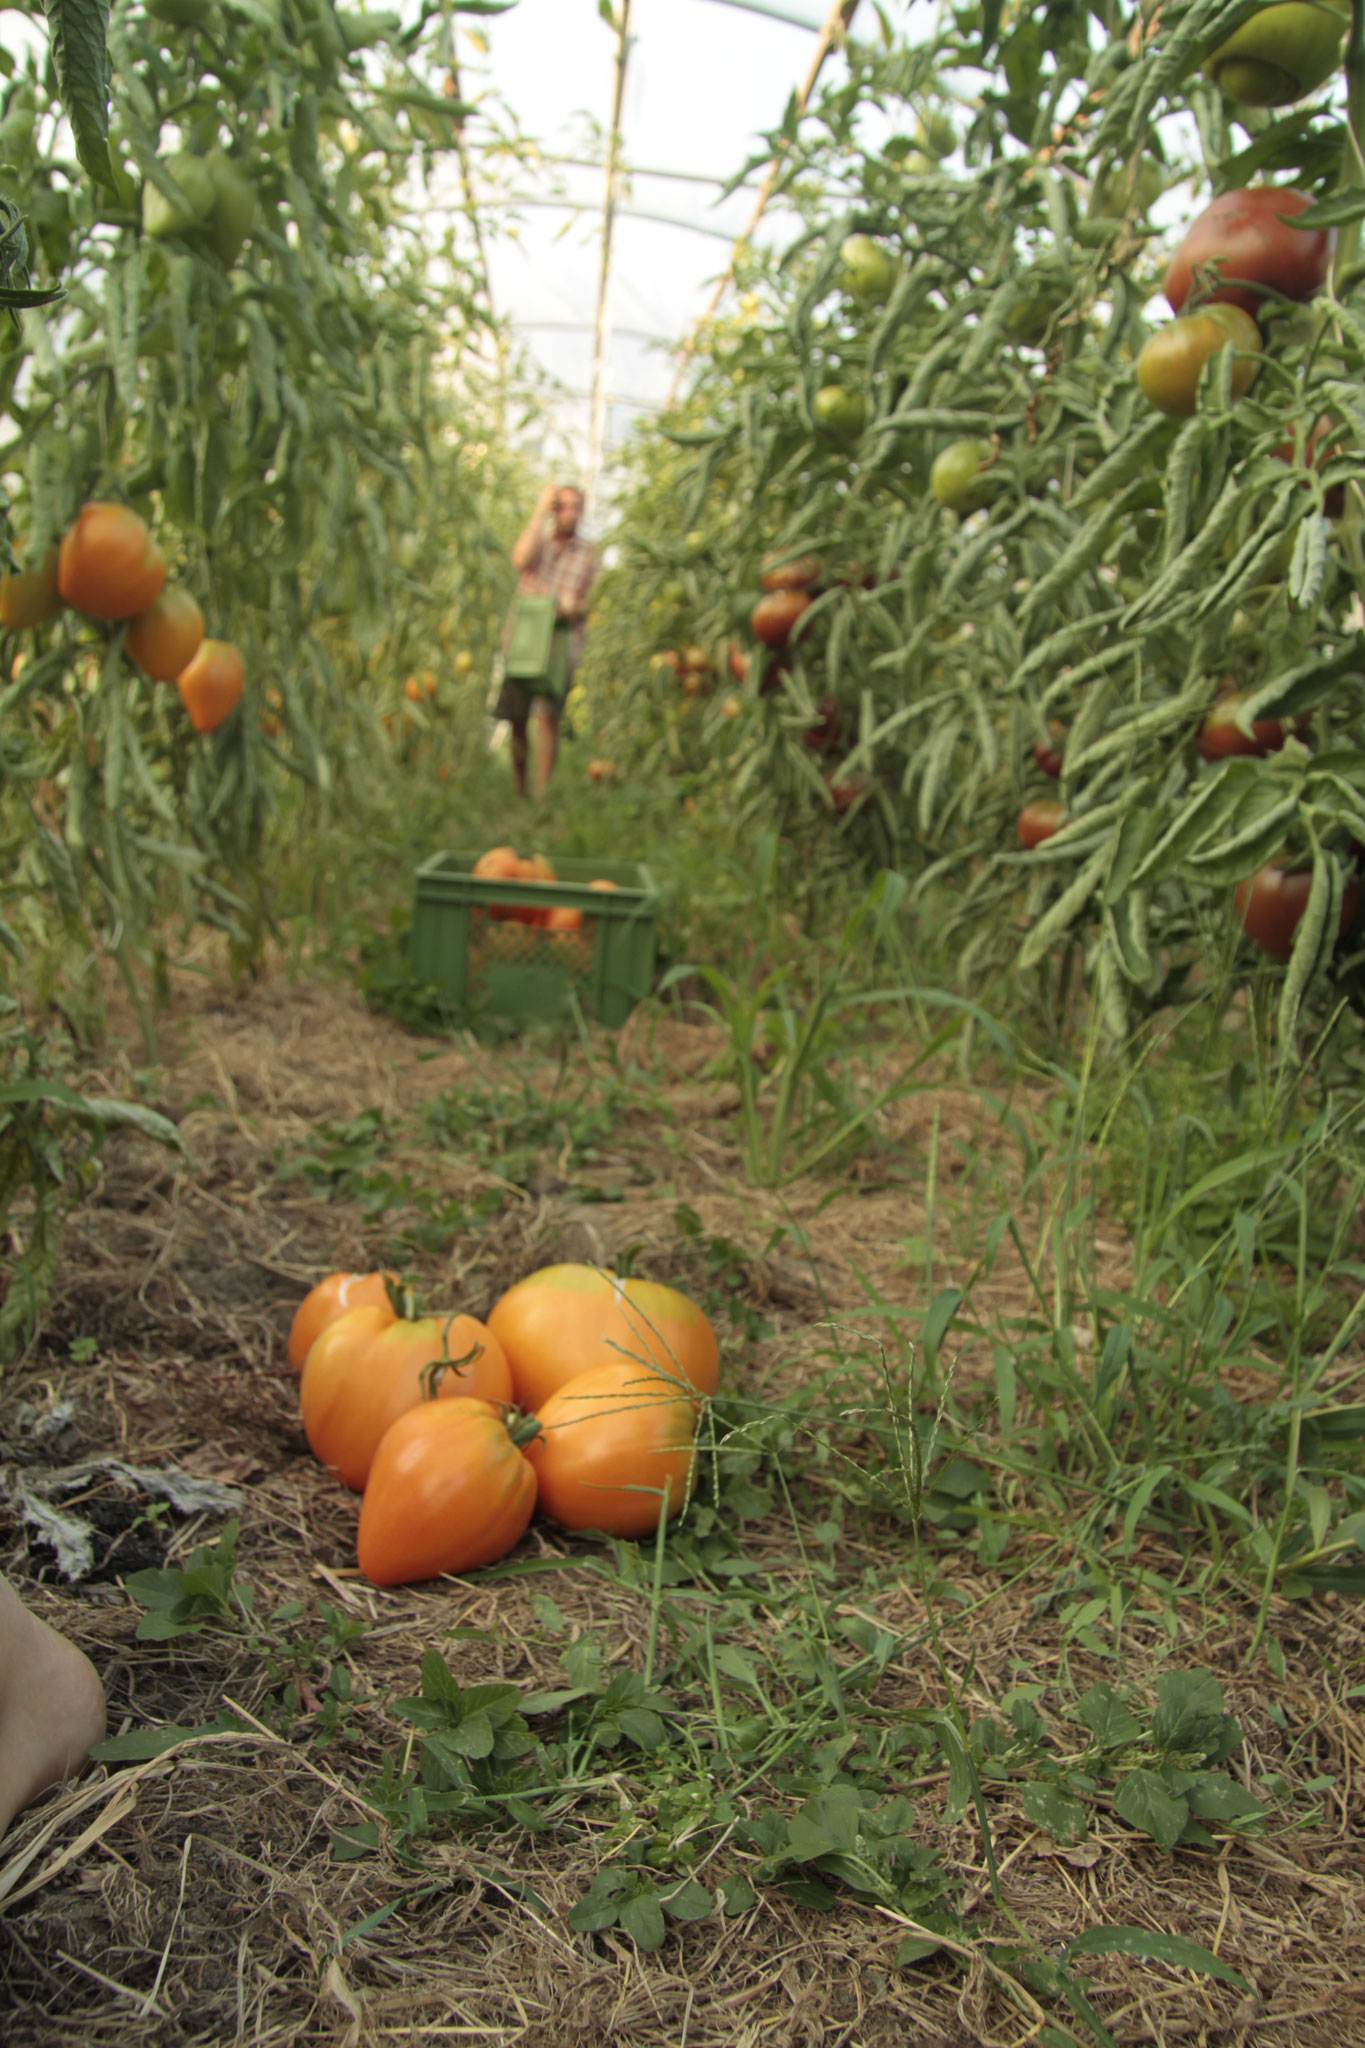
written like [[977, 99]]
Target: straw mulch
[[196, 1898]]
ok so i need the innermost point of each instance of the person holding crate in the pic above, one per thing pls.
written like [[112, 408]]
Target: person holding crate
[[543, 638]]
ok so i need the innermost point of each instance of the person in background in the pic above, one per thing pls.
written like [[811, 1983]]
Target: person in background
[[554, 561], [51, 1706]]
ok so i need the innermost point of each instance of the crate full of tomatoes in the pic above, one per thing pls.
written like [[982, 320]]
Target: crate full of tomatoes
[[513, 933], [577, 1398]]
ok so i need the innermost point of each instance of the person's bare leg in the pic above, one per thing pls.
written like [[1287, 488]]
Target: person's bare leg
[[547, 748], [51, 1706], [519, 753]]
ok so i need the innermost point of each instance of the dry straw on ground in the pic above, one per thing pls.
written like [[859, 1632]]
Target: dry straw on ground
[[195, 1899]]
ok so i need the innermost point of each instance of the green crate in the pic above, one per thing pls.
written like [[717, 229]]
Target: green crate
[[481, 961]]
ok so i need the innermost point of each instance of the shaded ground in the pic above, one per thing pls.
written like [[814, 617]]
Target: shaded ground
[[197, 1897]]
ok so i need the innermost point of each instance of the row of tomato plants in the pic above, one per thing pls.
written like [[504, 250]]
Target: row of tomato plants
[[579, 1394], [1040, 512]]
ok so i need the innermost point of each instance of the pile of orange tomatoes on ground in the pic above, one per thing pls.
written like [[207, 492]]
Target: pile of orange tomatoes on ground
[[109, 567], [579, 1395]]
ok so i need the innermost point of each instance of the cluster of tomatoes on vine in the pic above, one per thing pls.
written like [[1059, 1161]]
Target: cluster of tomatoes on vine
[[109, 567]]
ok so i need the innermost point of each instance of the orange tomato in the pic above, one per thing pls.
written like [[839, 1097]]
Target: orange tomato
[[448, 1491], [108, 565], [569, 1319], [30, 597], [563, 917], [615, 1446], [412, 689], [211, 684], [331, 1298], [365, 1370], [165, 638]]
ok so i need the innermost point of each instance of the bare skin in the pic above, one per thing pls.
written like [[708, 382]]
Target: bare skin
[[51, 1707], [566, 504]]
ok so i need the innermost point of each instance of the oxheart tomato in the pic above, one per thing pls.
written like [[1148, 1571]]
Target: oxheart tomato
[[774, 616], [1271, 904], [1221, 736], [448, 1490], [331, 1298], [616, 1445], [1039, 820], [211, 684], [1238, 250], [164, 639], [366, 1369], [108, 565], [565, 1320], [1171, 360], [1281, 52], [30, 597]]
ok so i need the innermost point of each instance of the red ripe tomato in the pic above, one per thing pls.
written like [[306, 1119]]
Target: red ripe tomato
[[448, 1490], [826, 734], [30, 597], [333, 1297], [1039, 820], [774, 616], [1048, 753], [165, 638], [108, 565], [565, 1320], [1220, 735], [1169, 364], [1271, 902], [365, 1370], [615, 1444], [844, 791], [211, 684], [787, 573], [737, 662], [1238, 250]]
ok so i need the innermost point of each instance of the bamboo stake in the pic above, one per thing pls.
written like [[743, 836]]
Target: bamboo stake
[[598, 412], [836, 24]]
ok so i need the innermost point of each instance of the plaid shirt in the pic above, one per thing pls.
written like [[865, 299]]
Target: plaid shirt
[[564, 570]]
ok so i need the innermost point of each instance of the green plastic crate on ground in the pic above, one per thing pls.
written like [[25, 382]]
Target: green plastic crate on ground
[[479, 960]]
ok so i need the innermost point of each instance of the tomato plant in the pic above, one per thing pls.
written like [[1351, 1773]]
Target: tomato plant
[[164, 639], [211, 684], [1169, 367], [365, 1369], [1270, 905], [1240, 252], [563, 1320], [616, 1447], [108, 565], [448, 1490]]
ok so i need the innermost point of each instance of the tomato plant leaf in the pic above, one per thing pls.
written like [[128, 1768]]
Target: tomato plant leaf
[[78, 30]]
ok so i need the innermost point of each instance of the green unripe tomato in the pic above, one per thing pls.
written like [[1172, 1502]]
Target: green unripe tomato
[[869, 271], [1113, 198], [1282, 53], [1169, 365], [162, 216], [234, 208], [840, 412], [956, 478], [936, 135]]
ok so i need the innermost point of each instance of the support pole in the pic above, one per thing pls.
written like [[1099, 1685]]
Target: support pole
[[836, 26], [598, 411]]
